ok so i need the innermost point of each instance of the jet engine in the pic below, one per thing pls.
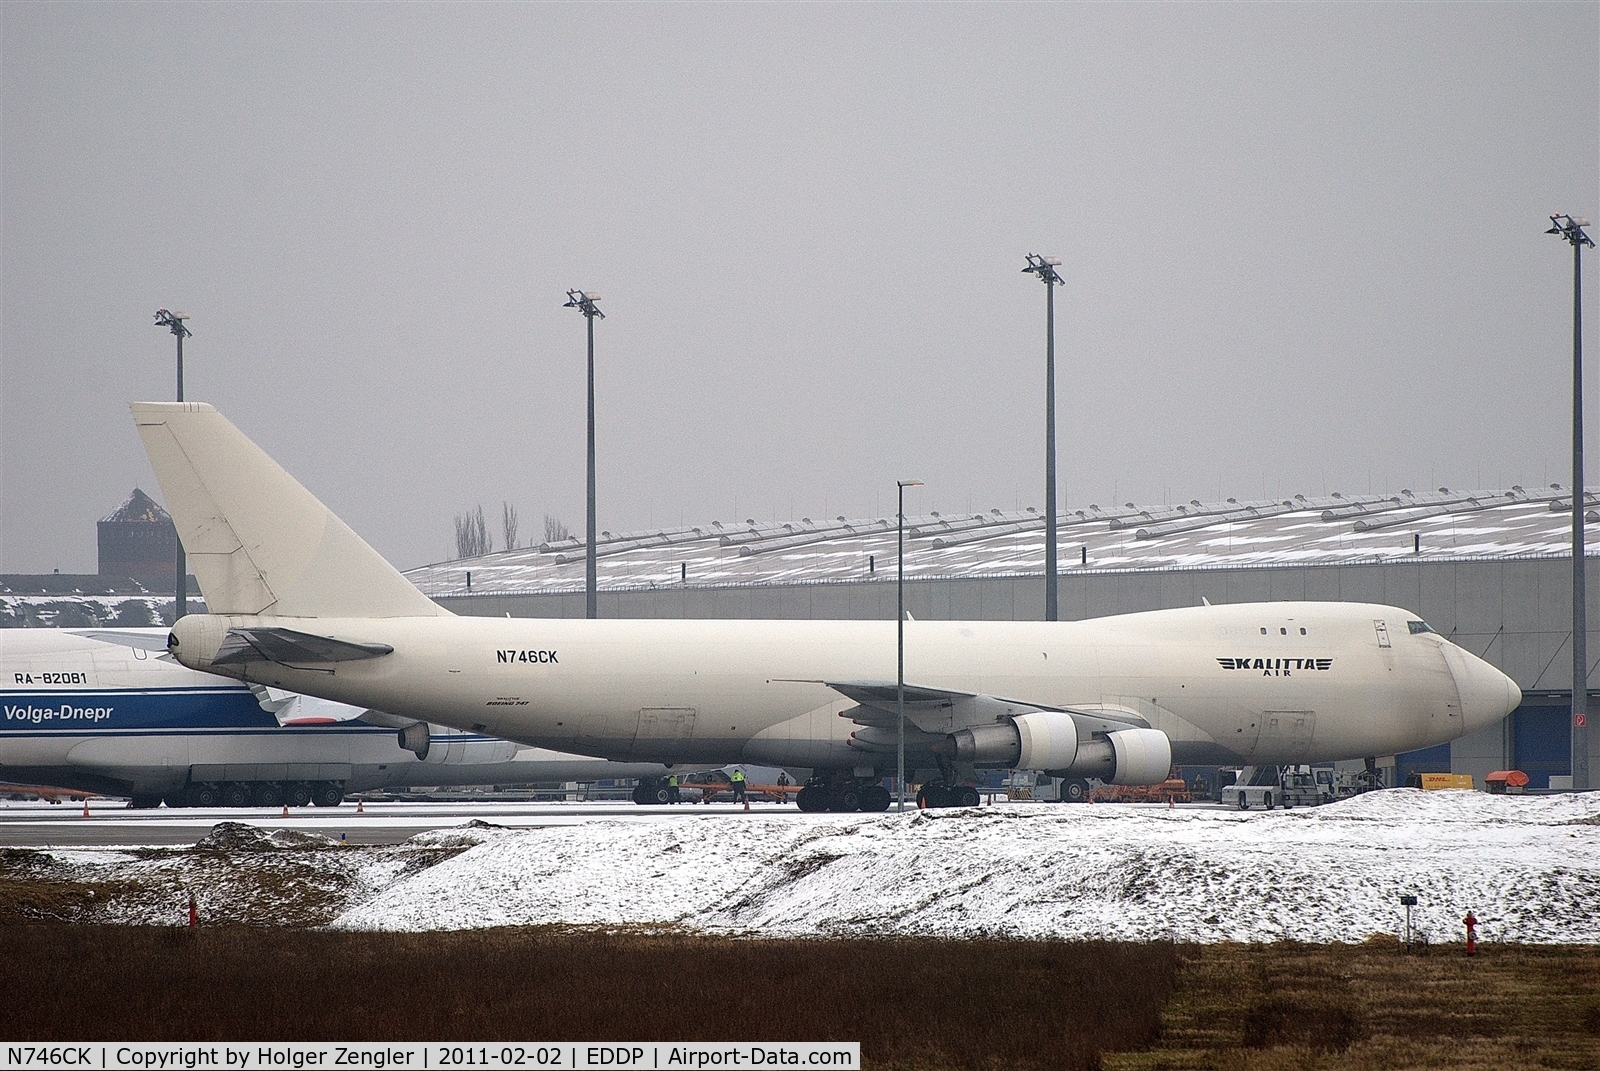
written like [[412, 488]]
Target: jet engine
[[416, 738], [1048, 740]]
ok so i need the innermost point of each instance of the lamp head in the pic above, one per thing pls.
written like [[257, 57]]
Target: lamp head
[[1045, 268], [174, 322], [584, 302], [1571, 229]]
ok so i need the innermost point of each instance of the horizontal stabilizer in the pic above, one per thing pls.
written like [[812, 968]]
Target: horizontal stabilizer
[[289, 647], [292, 708], [149, 639]]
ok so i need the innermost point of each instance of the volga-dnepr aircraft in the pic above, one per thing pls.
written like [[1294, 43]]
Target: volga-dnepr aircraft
[[300, 602], [109, 711]]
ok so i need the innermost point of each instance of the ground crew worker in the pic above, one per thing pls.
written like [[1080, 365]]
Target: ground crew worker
[[738, 785], [672, 789]]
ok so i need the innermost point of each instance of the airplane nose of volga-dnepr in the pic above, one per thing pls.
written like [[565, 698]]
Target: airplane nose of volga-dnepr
[[1487, 695]]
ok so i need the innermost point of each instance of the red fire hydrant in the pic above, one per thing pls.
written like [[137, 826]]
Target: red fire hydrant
[[1472, 934]]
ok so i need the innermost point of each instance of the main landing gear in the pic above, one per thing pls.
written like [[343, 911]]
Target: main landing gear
[[842, 794], [937, 794]]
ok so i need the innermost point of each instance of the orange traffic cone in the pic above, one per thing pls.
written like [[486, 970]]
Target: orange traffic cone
[[86, 806], [360, 809], [286, 810]]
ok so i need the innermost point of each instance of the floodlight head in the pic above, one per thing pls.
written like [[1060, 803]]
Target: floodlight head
[[1571, 229], [909, 483], [173, 321], [584, 302], [1044, 268]]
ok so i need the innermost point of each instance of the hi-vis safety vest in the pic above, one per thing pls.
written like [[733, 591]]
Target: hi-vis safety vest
[[738, 775]]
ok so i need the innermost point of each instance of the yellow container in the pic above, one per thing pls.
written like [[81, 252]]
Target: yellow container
[[1435, 781]]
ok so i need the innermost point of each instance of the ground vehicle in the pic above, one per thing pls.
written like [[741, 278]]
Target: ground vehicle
[[1267, 787]]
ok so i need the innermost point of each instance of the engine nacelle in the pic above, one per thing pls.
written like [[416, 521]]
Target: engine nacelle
[[1049, 740], [416, 739], [1143, 756], [1033, 741]]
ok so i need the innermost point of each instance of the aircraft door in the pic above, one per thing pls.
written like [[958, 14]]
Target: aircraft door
[[1285, 735], [663, 731]]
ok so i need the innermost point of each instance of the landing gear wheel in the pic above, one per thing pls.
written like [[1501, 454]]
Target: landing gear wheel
[[1074, 790], [811, 799], [236, 794], [144, 803], [933, 795], [875, 798], [175, 799], [201, 795], [327, 794], [268, 794], [846, 799], [1266, 797], [297, 794], [965, 796]]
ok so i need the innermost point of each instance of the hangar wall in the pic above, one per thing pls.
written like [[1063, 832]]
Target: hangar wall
[[1513, 612]]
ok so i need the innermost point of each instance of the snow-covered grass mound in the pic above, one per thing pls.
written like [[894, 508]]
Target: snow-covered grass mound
[[1528, 867]]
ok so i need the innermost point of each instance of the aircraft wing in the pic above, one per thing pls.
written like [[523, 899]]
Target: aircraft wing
[[286, 646], [941, 710]]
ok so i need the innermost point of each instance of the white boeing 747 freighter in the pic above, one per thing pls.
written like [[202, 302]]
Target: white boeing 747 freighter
[[301, 603]]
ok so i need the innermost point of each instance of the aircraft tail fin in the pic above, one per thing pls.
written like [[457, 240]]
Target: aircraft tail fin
[[259, 542]]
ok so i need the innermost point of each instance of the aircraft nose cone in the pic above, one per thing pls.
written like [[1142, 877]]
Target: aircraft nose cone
[[1487, 695]]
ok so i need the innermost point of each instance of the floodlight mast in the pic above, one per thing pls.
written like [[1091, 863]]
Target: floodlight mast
[[585, 303], [1045, 269], [1572, 231], [173, 321], [900, 635]]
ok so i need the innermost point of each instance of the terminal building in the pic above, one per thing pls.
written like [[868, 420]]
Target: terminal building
[[1490, 570]]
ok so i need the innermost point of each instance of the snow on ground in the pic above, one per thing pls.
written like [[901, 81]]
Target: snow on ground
[[1528, 867]]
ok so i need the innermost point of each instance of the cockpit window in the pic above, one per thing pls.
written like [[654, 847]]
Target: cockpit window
[[1418, 627]]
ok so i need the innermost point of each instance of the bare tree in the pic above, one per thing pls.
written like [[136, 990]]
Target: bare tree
[[508, 522], [472, 535], [554, 530]]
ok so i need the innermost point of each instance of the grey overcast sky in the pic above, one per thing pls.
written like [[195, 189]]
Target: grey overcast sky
[[1302, 248]]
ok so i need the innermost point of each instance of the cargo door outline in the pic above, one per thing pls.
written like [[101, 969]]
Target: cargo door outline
[[663, 732], [1286, 734]]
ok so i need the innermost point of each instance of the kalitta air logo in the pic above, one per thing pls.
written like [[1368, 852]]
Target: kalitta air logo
[[1276, 667]]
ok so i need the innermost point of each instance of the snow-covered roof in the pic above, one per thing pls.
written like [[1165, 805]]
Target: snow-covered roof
[[1331, 530], [139, 508]]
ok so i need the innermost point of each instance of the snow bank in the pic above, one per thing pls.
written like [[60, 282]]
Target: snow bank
[[1528, 867]]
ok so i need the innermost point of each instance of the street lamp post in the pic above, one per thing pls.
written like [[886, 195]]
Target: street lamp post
[[1572, 230], [900, 635], [1045, 269], [585, 303], [180, 588]]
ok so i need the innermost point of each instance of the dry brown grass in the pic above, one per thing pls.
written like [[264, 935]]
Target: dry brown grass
[[913, 1004], [1361, 1007]]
